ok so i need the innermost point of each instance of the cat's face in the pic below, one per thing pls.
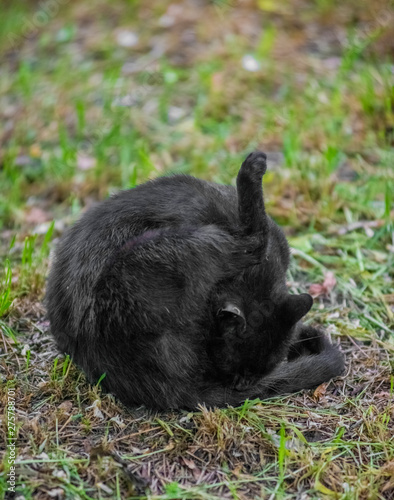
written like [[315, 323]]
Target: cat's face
[[252, 334]]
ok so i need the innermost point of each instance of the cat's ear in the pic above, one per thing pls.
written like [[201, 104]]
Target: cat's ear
[[295, 307], [231, 320]]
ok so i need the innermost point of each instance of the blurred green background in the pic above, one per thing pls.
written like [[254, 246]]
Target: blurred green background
[[97, 96]]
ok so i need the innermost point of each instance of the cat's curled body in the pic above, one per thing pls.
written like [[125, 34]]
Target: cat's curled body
[[176, 291]]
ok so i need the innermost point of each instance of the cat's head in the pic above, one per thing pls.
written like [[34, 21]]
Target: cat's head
[[252, 336]]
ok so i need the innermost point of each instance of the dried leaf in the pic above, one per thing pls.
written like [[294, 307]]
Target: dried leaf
[[37, 216], [320, 391], [96, 411], [35, 151], [104, 488], [66, 406], [250, 63], [56, 493], [189, 463], [127, 38], [326, 287], [85, 162]]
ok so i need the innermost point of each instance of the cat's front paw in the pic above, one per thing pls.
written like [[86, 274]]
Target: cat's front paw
[[308, 341], [255, 164]]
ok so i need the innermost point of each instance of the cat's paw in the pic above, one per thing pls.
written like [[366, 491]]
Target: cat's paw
[[308, 341], [331, 362], [255, 164]]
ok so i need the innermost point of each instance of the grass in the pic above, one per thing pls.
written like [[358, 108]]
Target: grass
[[83, 116]]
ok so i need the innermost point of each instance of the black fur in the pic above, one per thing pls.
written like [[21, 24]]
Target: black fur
[[176, 291]]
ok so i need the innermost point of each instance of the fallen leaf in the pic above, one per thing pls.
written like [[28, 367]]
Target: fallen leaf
[[189, 463], [85, 162], [320, 391], [59, 474], [96, 410], [37, 216], [326, 287], [126, 38], [117, 419], [22, 161], [250, 63], [35, 151], [56, 493], [25, 349], [105, 488], [66, 406]]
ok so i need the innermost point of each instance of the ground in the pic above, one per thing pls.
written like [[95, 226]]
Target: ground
[[98, 96]]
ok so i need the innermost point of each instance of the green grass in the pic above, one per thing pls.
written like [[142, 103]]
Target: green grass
[[83, 116]]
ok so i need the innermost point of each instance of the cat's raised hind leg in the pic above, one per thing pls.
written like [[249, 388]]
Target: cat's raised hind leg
[[250, 195]]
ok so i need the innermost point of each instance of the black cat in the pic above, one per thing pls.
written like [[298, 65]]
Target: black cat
[[176, 291]]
